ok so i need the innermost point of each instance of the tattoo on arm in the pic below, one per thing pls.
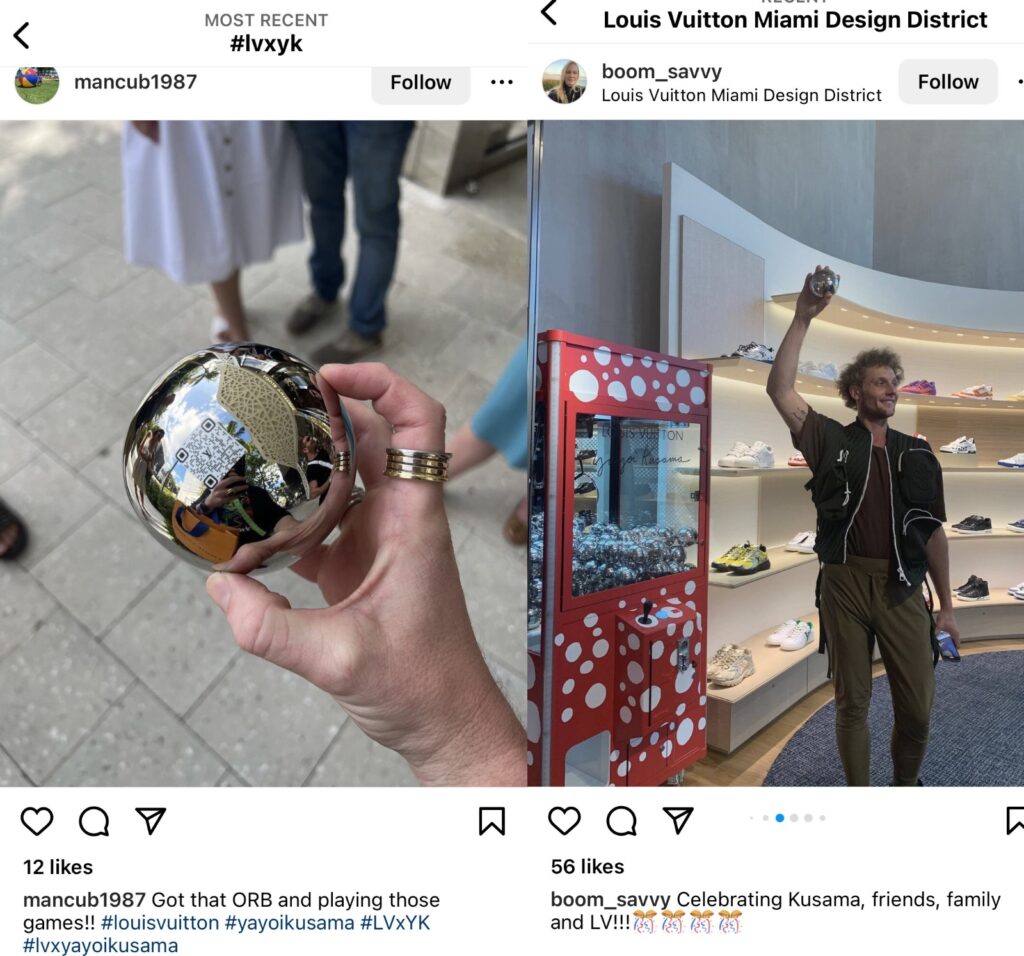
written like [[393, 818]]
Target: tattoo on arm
[[800, 414]]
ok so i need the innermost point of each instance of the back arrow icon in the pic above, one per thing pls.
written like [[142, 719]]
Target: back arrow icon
[[17, 34], [547, 16]]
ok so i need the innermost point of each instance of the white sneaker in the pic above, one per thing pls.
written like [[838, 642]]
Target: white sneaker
[[739, 450], [737, 665], [960, 446], [1017, 591], [759, 455], [1017, 461], [799, 637], [803, 542], [782, 632]]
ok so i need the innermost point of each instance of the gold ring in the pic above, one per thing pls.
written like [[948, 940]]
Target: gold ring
[[355, 497], [417, 465], [341, 461]]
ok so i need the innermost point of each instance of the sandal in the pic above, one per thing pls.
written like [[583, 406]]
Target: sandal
[[515, 531], [7, 519], [220, 331]]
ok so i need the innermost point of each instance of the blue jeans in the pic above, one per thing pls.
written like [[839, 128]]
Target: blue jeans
[[372, 154]]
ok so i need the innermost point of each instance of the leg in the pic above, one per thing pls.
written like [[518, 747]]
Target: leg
[[467, 451], [375, 154], [844, 615], [904, 638], [324, 169], [228, 295]]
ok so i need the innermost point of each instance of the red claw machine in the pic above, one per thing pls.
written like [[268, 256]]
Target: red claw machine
[[618, 565]]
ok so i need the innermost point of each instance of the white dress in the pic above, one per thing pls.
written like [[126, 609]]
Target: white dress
[[210, 197]]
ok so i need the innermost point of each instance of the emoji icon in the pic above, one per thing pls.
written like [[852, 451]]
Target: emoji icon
[[644, 922], [700, 921], [729, 921], [673, 921]]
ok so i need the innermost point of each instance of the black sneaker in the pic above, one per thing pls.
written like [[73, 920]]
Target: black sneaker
[[975, 592], [974, 524], [973, 579]]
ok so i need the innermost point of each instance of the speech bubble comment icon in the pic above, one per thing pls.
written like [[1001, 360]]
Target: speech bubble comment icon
[[622, 821], [94, 822]]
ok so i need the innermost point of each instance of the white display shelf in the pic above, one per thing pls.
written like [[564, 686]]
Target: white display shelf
[[997, 532], [756, 373], [997, 598], [781, 560], [852, 315], [770, 662]]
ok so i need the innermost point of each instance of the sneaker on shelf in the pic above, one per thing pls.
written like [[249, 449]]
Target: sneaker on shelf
[[973, 579], [1017, 525], [799, 637], [756, 352], [797, 461], [960, 446], [723, 658], [584, 485], [974, 592], [922, 437], [1017, 591], [1015, 461], [829, 371], [920, 387], [740, 449], [802, 542], [974, 524], [782, 632], [1016, 397], [733, 668], [725, 561], [975, 391], [753, 560], [759, 455]]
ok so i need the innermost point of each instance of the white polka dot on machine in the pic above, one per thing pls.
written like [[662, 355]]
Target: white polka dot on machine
[[584, 385], [601, 648], [638, 385], [568, 686], [573, 651], [566, 715], [617, 391], [532, 722], [627, 359], [586, 667], [697, 395], [603, 355], [590, 620], [596, 696], [685, 732]]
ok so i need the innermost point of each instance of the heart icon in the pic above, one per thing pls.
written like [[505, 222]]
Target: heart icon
[[564, 819], [36, 819]]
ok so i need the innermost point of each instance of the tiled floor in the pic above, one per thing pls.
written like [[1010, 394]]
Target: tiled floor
[[115, 667]]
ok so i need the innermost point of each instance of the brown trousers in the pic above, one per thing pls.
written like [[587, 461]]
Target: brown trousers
[[856, 603]]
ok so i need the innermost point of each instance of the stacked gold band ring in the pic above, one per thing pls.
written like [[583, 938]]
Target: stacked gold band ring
[[342, 462], [416, 465]]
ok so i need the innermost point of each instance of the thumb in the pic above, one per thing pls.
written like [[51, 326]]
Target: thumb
[[263, 622]]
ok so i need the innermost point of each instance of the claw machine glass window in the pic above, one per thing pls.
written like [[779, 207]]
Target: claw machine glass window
[[636, 501]]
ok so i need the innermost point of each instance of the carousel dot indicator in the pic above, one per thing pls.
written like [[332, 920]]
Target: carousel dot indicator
[[780, 817]]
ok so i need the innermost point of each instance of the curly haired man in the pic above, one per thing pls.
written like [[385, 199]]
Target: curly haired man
[[879, 499]]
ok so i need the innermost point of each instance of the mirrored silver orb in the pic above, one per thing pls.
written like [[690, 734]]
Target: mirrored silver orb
[[825, 282], [240, 453]]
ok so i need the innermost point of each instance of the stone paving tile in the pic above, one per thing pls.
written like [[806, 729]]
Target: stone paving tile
[[99, 272], [53, 689], [79, 423], [24, 606], [230, 779], [103, 567], [26, 286], [52, 500], [484, 349], [105, 473], [92, 210], [492, 301], [498, 622], [271, 726], [139, 744], [175, 639], [356, 761], [137, 306], [10, 773], [17, 450], [12, 339], [32, 378], [57, 245], [420, 328]]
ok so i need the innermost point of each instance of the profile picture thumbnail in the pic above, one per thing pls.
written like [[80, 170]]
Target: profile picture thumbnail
[[36, 84], [564, 81]]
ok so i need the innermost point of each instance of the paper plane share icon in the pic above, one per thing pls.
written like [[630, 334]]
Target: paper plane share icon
[[152, 817], [679, 816]]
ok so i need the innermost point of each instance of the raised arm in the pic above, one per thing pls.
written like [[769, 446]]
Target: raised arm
[[782, 378]]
